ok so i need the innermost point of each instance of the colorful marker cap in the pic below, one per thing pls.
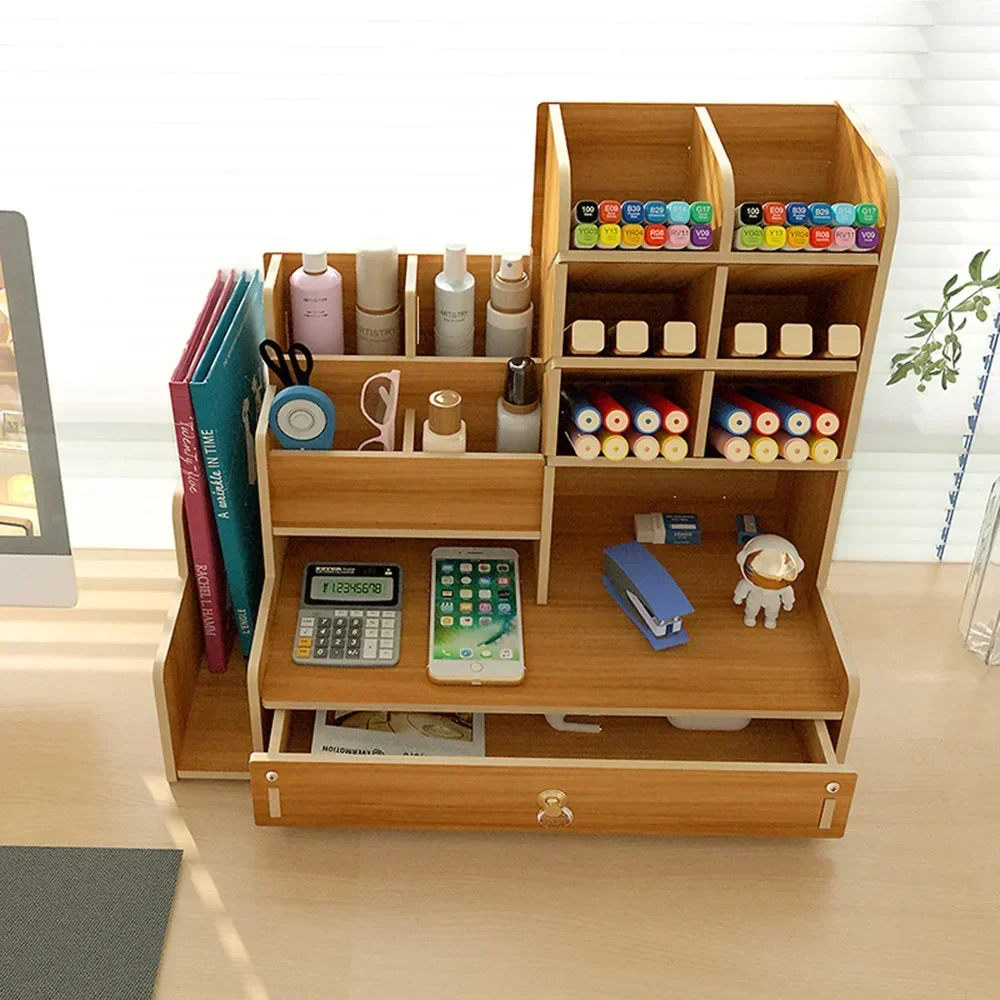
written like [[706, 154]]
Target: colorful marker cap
[[678, 237], [585, 236], [796, 213], [748, 238], [654, 236], [843, 213], [632, 211], [774, 237], [655, 211], [750, 213], [843, 238], [701, 236], [820, 238], [632, 236], [774, 213], [585, 211], [678, 213], [702, 213], [820, 213], [865, 239], [609, 236], [866, 214], [610, 211], [796, 238]]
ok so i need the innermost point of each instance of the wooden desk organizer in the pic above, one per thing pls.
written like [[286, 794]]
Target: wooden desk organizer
[[783, 775]]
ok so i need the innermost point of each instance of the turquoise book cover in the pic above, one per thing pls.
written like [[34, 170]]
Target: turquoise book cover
[[227, 392]]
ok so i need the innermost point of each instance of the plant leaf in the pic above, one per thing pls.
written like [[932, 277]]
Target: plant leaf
[[964, 307], [976, 265], [898, 375], [949, 285]]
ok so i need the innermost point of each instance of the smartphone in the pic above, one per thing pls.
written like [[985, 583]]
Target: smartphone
[[475, 633]]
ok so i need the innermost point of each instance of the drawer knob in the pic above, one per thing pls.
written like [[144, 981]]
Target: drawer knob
[[554, 811]]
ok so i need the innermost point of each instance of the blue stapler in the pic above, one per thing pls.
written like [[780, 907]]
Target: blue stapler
[[647, 594]]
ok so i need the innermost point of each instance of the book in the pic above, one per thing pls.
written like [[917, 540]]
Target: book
[[214, 604], [407, 734], [227, 391]]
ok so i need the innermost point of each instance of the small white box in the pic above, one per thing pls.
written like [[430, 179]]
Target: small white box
[[680, 338]]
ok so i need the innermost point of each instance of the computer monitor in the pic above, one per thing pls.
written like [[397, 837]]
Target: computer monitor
[[36, 565]]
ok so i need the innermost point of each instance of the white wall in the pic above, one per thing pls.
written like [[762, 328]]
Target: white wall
[[148, 150]]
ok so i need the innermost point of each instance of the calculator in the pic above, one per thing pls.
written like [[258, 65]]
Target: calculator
[[350, 615]]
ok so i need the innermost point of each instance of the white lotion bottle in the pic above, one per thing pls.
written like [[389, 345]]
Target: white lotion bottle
[[454, 306], [510, 312], [444, 430], [317, 294], [377, 308], [519, 417]]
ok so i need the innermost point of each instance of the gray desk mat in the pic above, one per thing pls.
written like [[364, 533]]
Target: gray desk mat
[[83, 923]]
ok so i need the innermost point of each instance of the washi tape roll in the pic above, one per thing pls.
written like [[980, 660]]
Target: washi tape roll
[[763, 419], [673, 418], [730, 446], [825, 422], [645, 418], [792, 449], [672, 446], [614, 416], [586, 446], [613, 446], [645, 447], [821, 449], [762, 448], [581, 411], [734, 419], [794, 419]]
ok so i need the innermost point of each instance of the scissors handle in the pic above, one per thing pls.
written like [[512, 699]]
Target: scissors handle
[[301, 360], [274, 358]]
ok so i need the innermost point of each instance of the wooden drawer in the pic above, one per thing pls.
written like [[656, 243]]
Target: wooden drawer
[[640, 775]]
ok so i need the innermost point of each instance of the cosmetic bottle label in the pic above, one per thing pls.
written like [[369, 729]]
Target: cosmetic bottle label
[[843, 213], [866, 214], [655, 211], [678, 213], [748, 238], [843, 238], [796, 238], [797, 213], [820, 238], [774, 213], [774, 237], [820, 213], [632, 211], [609, 211], [609, 236], [585, 211], [865, 239], [654, 236], [701, 212], [678, 237], [750, 213], [632, 236], [701, 236], [585, 236]]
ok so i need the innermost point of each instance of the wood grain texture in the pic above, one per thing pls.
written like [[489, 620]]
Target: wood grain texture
[[717, 173]]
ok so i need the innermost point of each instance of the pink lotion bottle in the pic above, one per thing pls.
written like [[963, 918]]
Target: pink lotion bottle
[[317, 294]]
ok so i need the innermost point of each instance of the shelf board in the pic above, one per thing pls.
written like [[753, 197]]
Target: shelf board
[[779, 465], [805, 366], [598, 362], [718, 258], [582, 654], [764, 366]]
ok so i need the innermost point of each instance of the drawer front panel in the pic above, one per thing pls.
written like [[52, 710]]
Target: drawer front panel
[[692, 799]]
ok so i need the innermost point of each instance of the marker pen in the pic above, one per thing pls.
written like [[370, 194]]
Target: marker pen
[[609, 236], [701, 236], [678, 236], [820, 238], [822, 449], [585, 336], [632, 212], [797, 213], [774, 213], [673, 418], [646, 419], [825, 422], [587, 446], [585, 236], [701, 213], [678, 213], [843, 213], [645, 447], [744, 340], [654, 236], [796, 238], [584, 415], [750, 213], [795, 340], [792, 449], [793, 419], [763, 420], [586, 211], [614, 417], [731, 418], [632, 236], [672, 446], [866, 214], [630, 337], [763, 449], [655, 211], [613, 446], [865, 239], [843, 239], [680, 338], [730, 446], [820, 213], [840, 340], [748, 238], [774, 238], [609, 211]]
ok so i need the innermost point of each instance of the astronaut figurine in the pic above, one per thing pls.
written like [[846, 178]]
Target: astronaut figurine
[[769, 564]]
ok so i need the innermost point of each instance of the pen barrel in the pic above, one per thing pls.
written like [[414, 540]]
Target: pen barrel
[[672, 446], [645, 447], [613, 446], [729, 446], [762, 448], [585, 446], [794, 419], [763, 419], [822, 449], [644, 416], [825, 422], [585, 416], [731, 418], [614, 416], [792, 449], [673, 418]]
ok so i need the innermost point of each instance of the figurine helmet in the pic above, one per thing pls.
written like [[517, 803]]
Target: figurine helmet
[[778, 559]]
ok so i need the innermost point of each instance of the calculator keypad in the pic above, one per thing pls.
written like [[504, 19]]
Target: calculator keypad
[[348, 638]]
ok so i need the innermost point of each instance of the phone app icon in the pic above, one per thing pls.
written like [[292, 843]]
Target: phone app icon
[[504, 595], [466, 653], [485, 620], [484, 581], [485, 653], [447, 605], [447, 580], [484, 567], [465, 606], [447, 567], [503, 608], [503, 581], [485, 593], [447, 620], [503, 567], [466, 595], [506, 654], [447, 593], [466, 567], [485, 606], [465, 621], [466, 580]]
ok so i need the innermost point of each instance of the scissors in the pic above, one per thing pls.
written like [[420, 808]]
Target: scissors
[[293, 368]]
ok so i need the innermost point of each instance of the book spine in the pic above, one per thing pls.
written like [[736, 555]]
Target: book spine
[[206, 558]]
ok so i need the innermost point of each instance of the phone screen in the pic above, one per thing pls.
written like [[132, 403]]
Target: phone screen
[[475, 609]]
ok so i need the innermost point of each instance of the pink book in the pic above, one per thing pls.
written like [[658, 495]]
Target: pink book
[[216, 609]]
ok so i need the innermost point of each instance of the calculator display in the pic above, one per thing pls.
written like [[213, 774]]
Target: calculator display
[[357, 589]]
